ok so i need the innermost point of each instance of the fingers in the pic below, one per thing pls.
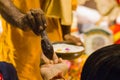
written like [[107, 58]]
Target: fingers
[[44, 21], [45, 59], [32, 22], [55, 58], [60, 60], [54, 61], [39, 17], [73, 39], [76, 40], [37, 20], [31, 19]]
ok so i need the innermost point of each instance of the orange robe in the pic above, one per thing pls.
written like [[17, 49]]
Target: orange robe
[[22, 49]]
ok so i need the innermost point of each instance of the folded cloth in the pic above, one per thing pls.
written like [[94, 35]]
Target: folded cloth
[[8, 71]]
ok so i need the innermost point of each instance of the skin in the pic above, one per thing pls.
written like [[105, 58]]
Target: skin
[[34, 20], [53, 69], [68, 37]]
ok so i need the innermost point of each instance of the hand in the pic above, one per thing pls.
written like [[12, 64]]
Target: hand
[[55, 59], [73, 39], [53, 69], [35, 19]]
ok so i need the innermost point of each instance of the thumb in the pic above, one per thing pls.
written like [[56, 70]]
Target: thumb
[[45, 59], [55, 58]]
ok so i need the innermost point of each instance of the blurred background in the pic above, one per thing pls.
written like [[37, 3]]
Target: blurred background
[[97, 24]]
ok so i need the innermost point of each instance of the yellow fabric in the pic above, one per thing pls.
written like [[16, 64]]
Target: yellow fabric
[[23, 48], [54, 29], [58, 12], [61, 9]]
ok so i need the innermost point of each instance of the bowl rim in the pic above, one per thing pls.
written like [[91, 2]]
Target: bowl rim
[[70, 44]]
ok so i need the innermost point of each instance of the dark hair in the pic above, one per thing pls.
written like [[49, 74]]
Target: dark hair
[[103, 64], [8, 71]]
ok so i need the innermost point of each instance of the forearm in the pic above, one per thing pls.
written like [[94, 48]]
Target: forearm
[[65, 29], [10, 12]]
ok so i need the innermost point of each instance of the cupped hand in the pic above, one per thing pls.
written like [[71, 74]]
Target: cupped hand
[[73, 39], [53, 69]]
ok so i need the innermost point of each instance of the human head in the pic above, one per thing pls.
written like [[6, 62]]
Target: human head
[[8, 71], [103, 64]]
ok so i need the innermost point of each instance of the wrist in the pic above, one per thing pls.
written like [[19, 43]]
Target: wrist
[[21, 21], [65, 30]]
